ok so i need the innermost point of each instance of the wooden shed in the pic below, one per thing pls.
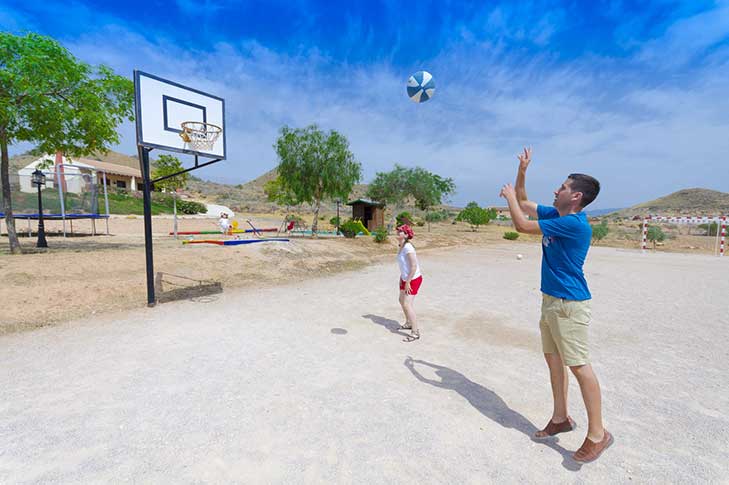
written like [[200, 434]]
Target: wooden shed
[[372, 214]]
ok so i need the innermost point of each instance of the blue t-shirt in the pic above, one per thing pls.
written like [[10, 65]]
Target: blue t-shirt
[[565, 244]]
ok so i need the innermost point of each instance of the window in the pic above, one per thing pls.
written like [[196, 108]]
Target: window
[[121, 184]]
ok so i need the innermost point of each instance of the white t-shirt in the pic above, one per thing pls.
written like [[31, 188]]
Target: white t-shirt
[[224, 224], [404, 263]]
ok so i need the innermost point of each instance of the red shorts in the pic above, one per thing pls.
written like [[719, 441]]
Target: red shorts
[[414, 285]]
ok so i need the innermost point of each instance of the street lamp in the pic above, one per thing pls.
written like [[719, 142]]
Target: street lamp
[[38, 180], [339, 201]]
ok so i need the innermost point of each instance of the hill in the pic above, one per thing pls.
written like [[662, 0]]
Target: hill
[[250, 195], [687, 202]]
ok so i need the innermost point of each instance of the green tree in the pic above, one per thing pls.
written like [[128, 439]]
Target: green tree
[[655, 235], [314, 165], [429, 189], [392, 187], [277, 193], [425, 188], [51, 99], [599, 231], [475, 215], [167, 165]]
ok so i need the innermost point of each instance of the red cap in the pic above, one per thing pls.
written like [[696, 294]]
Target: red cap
[[407, 230]]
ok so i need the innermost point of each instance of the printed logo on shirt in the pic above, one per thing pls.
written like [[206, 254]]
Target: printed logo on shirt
[[546, 241]]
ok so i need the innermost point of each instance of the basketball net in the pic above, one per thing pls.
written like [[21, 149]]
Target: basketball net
[[200, 136]]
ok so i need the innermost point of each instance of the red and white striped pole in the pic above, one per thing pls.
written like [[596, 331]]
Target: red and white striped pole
[[645, 234], [723, 236]]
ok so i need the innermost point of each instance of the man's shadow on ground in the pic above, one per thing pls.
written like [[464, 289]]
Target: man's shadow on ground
[[488, 403], [390, 325]]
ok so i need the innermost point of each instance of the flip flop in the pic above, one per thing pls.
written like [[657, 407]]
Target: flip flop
[[413, 337]]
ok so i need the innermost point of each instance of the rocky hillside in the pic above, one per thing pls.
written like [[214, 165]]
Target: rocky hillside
[[684, 202], [250, 195]]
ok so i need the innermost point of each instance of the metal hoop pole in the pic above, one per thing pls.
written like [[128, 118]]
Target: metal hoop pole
[[144, 163]]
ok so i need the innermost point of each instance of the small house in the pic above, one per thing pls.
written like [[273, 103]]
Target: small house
[[371, 213]]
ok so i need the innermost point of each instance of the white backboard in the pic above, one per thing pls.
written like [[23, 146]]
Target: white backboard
[[161, 107]]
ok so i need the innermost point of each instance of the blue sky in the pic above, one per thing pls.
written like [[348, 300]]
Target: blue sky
[[634, 93]]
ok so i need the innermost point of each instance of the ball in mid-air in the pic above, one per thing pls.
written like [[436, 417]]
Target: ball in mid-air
[[421, 86], [519, 256]]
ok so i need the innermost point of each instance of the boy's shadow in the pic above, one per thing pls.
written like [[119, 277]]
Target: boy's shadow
[[488, 403], [391, 325]]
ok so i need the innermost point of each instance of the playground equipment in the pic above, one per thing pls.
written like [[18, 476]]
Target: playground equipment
[[234, 231], [236, 242]]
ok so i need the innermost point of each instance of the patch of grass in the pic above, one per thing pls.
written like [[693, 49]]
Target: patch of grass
[[120, 203]]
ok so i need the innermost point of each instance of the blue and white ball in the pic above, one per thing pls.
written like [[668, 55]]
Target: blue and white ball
[[421, 86]]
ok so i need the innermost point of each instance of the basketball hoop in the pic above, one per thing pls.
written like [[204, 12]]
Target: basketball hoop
[[199, 135]]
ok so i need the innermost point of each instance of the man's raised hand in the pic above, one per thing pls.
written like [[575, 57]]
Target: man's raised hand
[[525, 158], [507, 192]]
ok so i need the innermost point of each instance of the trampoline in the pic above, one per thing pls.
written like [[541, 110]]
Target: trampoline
[[62, 217], [72, 192]]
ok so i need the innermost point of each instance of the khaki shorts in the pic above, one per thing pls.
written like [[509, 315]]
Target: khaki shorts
[[564, 325]]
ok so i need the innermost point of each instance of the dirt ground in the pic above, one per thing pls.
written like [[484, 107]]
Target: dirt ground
[[92, 275], [310, 382]]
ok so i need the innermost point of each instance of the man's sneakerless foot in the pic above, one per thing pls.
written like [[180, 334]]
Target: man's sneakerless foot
[[591, 451], [553, 428]]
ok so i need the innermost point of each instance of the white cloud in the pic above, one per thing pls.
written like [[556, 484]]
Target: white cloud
[[642, 136], [687, 38]]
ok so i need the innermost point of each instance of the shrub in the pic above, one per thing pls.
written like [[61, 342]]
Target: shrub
[[511, 235], [475, 215], [437, 216], [599, 231], [655, 235], [419, 222], [191, 207], [183, 206], [353, 227], [380, 234], [404, 218], [335, 221], [711, 229]]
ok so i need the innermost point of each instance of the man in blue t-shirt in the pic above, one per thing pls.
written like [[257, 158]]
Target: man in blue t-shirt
[[565, 320]]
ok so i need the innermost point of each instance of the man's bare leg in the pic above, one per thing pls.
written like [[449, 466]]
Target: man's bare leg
[[558, 379], [590, 388]]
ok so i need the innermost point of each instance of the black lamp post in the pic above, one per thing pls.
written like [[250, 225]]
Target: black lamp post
[[38, 180], [339, 201]]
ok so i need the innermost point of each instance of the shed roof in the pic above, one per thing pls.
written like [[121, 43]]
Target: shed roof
[[366, 202]]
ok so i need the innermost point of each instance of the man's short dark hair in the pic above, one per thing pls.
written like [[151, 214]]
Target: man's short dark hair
[[589, 186]]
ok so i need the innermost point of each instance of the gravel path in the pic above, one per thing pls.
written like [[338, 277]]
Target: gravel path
[[311, 383]]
